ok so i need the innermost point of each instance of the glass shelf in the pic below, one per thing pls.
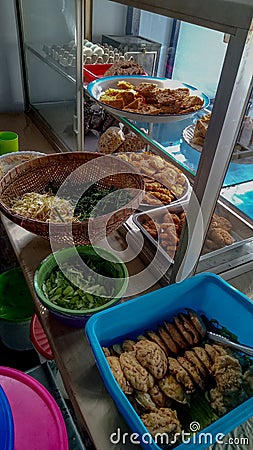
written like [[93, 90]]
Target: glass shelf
[[60, 115], [167, 139], [66, 72]]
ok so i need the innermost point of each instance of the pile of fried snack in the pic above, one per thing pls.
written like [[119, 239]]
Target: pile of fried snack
[[160, 370], [200, 130], [116, 139], [163, 182], [148, 98], [167, 229]]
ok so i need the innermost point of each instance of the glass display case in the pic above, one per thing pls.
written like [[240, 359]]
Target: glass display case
[[205, 46], [212, 52], [49, 36]]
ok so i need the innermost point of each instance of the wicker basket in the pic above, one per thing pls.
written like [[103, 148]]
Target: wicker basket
[[34, 175]]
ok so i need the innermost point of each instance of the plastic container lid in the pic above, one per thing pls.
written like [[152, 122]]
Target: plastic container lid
[[39, 338], [38, 422], [94, 71], [6, 421], [16, 303]]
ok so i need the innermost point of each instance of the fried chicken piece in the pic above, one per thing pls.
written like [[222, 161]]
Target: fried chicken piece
[[189, 367], [181, 374], [169, 235], [228, 374], [165, 197], [172, 346], [176, 335], [164, 420]]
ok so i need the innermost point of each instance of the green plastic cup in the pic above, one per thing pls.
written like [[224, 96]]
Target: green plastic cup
[[8, 142]]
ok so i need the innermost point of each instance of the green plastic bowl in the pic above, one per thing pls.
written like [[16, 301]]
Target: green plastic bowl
[[79, 317]]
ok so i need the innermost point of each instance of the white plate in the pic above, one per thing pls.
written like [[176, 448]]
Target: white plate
[[188, 136], [96, 88]]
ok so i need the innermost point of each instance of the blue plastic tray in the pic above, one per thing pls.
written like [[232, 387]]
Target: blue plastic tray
[[6, 423], [206, 293]]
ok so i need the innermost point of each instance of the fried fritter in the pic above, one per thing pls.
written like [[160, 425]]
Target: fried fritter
[[221, 236], [223, 403], [181, 374], [172, 346], [173, 389], [128, 345], [155, 338], [176, 335], [165, 420], [228, 374], [187, 365], [212, 352], [204, 358], [138, 376], [152, 357], [192, 357], [157, 396], [180, 325], [118, 374], [197, 322], [189, 326], [144, 399]]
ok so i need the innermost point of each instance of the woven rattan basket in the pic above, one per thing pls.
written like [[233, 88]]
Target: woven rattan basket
[[83, 167]]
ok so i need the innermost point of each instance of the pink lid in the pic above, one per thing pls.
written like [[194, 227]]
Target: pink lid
[[39, 338], [38, 422]]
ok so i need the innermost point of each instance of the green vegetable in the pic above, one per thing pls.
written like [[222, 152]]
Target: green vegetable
[[79, 288]]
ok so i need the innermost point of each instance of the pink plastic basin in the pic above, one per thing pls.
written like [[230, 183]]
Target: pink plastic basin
[[38, 422]]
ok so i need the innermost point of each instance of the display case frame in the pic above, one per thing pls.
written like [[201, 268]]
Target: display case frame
[[233, 17], [233, 92]]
